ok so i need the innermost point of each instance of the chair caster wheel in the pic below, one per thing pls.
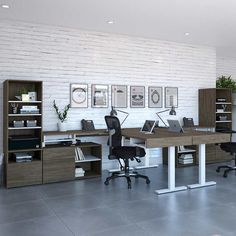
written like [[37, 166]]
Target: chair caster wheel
[[217, 170], [106, 182], [129, 186], [148, 181], [225, 175]]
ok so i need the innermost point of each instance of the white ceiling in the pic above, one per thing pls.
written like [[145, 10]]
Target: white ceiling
[[209, 22]]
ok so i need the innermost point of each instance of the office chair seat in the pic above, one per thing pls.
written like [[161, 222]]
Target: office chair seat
[[231, 148], [125, 153]]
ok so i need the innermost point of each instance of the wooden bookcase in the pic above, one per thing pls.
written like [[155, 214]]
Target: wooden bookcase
[[215, 110], [22, 173]]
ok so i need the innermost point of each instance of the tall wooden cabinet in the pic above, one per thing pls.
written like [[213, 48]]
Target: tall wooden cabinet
[[22, 132], [215, 110]]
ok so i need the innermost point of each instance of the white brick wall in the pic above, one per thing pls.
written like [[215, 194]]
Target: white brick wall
[[60, 56]]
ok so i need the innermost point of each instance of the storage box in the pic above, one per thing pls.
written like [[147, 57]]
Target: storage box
[[31, 123], [18, 123], [23, 142]]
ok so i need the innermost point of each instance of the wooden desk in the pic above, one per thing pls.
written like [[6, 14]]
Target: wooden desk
[[163, 138]]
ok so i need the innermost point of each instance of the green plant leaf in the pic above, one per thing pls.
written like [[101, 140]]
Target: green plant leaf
[[226, 82]]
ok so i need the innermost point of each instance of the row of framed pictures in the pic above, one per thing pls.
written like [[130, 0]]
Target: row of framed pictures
[[100, 96]]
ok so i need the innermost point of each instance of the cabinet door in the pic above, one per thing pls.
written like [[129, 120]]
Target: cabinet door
[[22, 174], [58, 164]]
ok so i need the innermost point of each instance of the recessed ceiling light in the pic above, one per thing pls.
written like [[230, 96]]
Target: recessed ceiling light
[[5, 6], [110, 22], [187, 34]]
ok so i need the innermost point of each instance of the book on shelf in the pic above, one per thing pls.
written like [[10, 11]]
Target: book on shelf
[[186, 156], [79, 172], [79, 154], [189, 161]]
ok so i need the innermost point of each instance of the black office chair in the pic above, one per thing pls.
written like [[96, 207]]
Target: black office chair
[[126, 153], [231, 148]]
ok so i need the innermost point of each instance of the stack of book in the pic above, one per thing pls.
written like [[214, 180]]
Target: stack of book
[[186, 158], [29, 110], [79, 156], [79, 172], [22, 157]]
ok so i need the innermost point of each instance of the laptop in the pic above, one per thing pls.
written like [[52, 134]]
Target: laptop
[[148, 126], [174, 126]]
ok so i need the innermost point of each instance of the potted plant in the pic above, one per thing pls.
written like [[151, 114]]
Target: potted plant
[[226, 82], [62, 115]]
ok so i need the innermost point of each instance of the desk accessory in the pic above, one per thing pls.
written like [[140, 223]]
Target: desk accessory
[[172, 113], [114, 113]]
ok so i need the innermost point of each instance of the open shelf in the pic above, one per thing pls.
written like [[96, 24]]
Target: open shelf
[[30, 102], [18, 128], [223, 121], [89, 158], [31, 114]]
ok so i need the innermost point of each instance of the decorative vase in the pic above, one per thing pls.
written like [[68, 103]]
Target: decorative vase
[[61, 126]]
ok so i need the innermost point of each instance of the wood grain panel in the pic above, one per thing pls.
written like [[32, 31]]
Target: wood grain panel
[[58, 164], [211, 138], [22, 174]]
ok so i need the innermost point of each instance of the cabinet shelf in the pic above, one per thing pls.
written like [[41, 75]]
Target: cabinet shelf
[[19, 115], [19, 128], [223, 112], [89, 158], [187, 151], [30, 102], [25, 150], [223, 121], [223, 103]]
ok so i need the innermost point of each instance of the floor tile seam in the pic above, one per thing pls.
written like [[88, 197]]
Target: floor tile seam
[[20, 203], [59, 218], [29, 219], [110, 228]]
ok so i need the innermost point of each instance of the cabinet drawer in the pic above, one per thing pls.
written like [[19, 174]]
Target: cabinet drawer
[[22, 174], [53, 154], [58, 164]]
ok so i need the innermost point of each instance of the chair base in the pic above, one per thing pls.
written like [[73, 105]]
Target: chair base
[[228, 169], [127, 176]]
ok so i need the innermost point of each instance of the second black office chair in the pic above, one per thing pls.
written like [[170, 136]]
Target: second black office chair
[[119, 152], [231, 148]]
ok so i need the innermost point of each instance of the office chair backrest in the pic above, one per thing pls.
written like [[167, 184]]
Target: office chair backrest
[[114, 123]]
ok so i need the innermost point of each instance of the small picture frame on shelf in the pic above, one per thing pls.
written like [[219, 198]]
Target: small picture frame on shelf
[[171, 97], [155, 97], [99, 96], [137, 96], [79, 95]]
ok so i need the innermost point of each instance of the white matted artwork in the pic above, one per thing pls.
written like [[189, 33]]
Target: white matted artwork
[[155, 97], [99, 95], [137, 96], [171, 97], [119, 96], [79, 95]]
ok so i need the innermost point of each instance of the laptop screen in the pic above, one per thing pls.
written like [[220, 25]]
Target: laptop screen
[[174, 126], [148, 126]]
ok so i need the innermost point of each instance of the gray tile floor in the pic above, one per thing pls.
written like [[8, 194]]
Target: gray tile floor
[[88, 207]]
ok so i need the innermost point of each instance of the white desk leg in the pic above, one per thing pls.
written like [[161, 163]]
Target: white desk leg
[[202, 169], [171, 174]]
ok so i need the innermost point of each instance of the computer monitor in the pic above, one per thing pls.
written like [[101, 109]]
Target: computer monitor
[[148, 126], [174, 126]]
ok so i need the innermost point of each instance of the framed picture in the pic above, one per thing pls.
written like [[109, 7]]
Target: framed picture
[[171, 97], [119, 96], [137, 96], [99, 95], [155, 97], [79, 95]]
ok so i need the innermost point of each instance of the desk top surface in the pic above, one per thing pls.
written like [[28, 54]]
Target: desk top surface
[[163, 138]]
